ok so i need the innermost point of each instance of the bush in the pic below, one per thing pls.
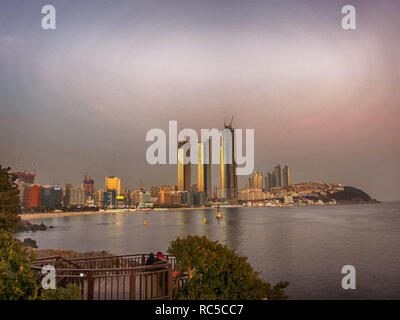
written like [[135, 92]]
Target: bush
[[217, 272], [17, 280], [71, 293]]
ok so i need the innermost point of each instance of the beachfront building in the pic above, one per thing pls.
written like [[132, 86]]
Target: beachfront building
[[77, 197], [145, 200], [32, 197], [113, 183], [51, 197], [109, 198]]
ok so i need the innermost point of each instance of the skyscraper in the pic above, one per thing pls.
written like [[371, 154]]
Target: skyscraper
[[51, 197], [77, 197], [286, 176], [278, 176], [184, 170], [113, 183], [228, 165], [88, 185], [204, 168], [257, 180]]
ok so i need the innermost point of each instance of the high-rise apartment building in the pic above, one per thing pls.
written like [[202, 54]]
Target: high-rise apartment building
[[51, 197], [229, 186], [277, 176], [32, 197], [77, 197], [99, 197], [109, 198], [184, 169], [135, 196], [113, 183], [269, 181], [258, 180], [204, 168], [286, 176]]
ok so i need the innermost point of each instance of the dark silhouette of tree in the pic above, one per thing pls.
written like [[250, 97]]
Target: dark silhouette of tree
[[17, 280], [9, 200]]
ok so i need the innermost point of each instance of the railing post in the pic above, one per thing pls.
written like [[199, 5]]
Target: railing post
[[132, 286], [143, 259], [170, 281], [90, 294]]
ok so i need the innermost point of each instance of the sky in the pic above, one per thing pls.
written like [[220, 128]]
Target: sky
[[322, 100]]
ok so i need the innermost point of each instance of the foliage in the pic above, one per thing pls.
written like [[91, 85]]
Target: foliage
[[71, 293], [217, 272], [17, 280], [9, 200]]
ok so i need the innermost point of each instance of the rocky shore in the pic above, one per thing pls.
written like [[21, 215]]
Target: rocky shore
[[43, 253], [25, 225]]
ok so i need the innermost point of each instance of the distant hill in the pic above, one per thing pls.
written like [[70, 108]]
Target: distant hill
[[352, 194]]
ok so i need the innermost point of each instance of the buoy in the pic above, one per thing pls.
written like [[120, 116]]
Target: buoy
[[145, 223], [204, 220]]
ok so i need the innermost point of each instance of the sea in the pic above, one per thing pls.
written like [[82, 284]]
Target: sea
[[308, 246]]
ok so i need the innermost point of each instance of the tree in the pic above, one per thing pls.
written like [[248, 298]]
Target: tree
[[217, 272], [9, 200], [17, 280]]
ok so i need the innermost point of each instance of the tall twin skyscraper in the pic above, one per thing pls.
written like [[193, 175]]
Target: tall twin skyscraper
[[229, 186], [204, 168], [184, 169]]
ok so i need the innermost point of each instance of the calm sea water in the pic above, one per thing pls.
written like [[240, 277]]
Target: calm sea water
[[307, 246]]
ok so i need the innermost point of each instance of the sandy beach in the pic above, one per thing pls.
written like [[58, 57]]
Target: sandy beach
[[33, 216]]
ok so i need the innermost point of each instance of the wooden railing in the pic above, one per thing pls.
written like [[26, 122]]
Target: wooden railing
[[123, 277]]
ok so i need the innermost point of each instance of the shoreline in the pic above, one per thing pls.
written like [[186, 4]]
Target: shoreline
[[34, 216]]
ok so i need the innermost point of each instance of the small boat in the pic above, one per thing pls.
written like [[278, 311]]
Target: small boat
[[219, 213]]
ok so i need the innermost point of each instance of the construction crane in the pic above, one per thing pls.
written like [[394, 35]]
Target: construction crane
[[228, 125]]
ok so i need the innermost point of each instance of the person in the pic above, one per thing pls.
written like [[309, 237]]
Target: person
[[160, 258], [150, 259]]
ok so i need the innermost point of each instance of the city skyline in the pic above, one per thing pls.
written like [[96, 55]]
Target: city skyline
[[319, 98]]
